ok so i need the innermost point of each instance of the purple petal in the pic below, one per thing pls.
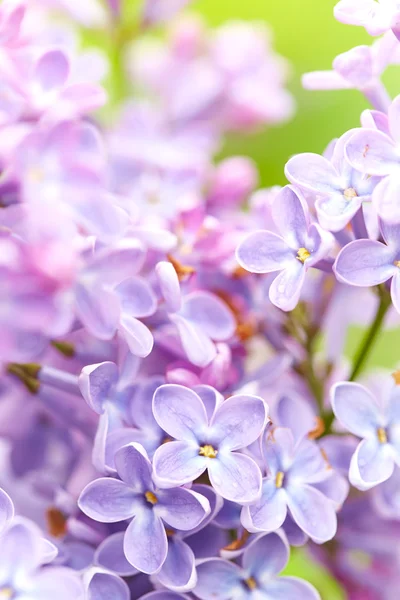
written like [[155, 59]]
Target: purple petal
[[49, 552], [336, 487], [386, 199], [110, 555], [395, 290], [138, 337], [217, 579], [309, 465], [134, 467], [180, 412], [264, 252], [268, 513], [136, 297], [372, 463], [312, 511], [178, 572], [238, 422], [290, 214], [285, 290], [177, 463], [104, 586], [210, 397], [80, 98], [20, 548], [278, 449], [356, 408], [291, 587], [141, 410], [394, 119], [108, 500], [266, 556], [118, 263], [181, 508], [169, 283], [313, 173], [96, 383], [373, 119], [335, 212], [235, 477], [51, 71], [145, 542], [324, 80], [215, 503], [98, 309], [210, 314], [198, 347], [296, 414], [372, 152], [56, 582], [365, 263], [6, 509]]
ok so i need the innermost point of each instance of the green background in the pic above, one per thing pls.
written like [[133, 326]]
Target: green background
[[305, 33]]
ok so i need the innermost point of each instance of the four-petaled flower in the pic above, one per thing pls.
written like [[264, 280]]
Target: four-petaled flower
[[257, 577], [298, 246], [293, 472], [208, 441], [378, 423], [135, 497]]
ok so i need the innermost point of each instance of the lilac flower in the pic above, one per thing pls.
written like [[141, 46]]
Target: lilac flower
[[366, 263], [103, 586], [135, 497], [110, 296], [296, 248], [377, 423], [377, 152], [201, 317], [338, 189], [377, 16], [22, 555], [107, 392], [209, 443], [49, 90], [293, 471], [110, 554], [359, 68], [257, 577]]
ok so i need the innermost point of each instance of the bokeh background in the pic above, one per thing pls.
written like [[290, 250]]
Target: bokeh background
[[306, 34]]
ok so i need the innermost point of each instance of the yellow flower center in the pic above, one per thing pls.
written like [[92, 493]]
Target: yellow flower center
[[397, 263], [208, 451], [280, 476], [396, 377], [151, 498], [350, 193], [6, 593], [251, 583], [382, 437], [302, 254]]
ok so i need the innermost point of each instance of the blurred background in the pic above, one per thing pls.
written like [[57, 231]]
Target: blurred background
[[308, 36]]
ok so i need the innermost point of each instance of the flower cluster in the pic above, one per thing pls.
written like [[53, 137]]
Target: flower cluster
[[169, 423]]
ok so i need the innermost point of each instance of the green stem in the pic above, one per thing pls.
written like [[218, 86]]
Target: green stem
[[366, 346], [371, 334]]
